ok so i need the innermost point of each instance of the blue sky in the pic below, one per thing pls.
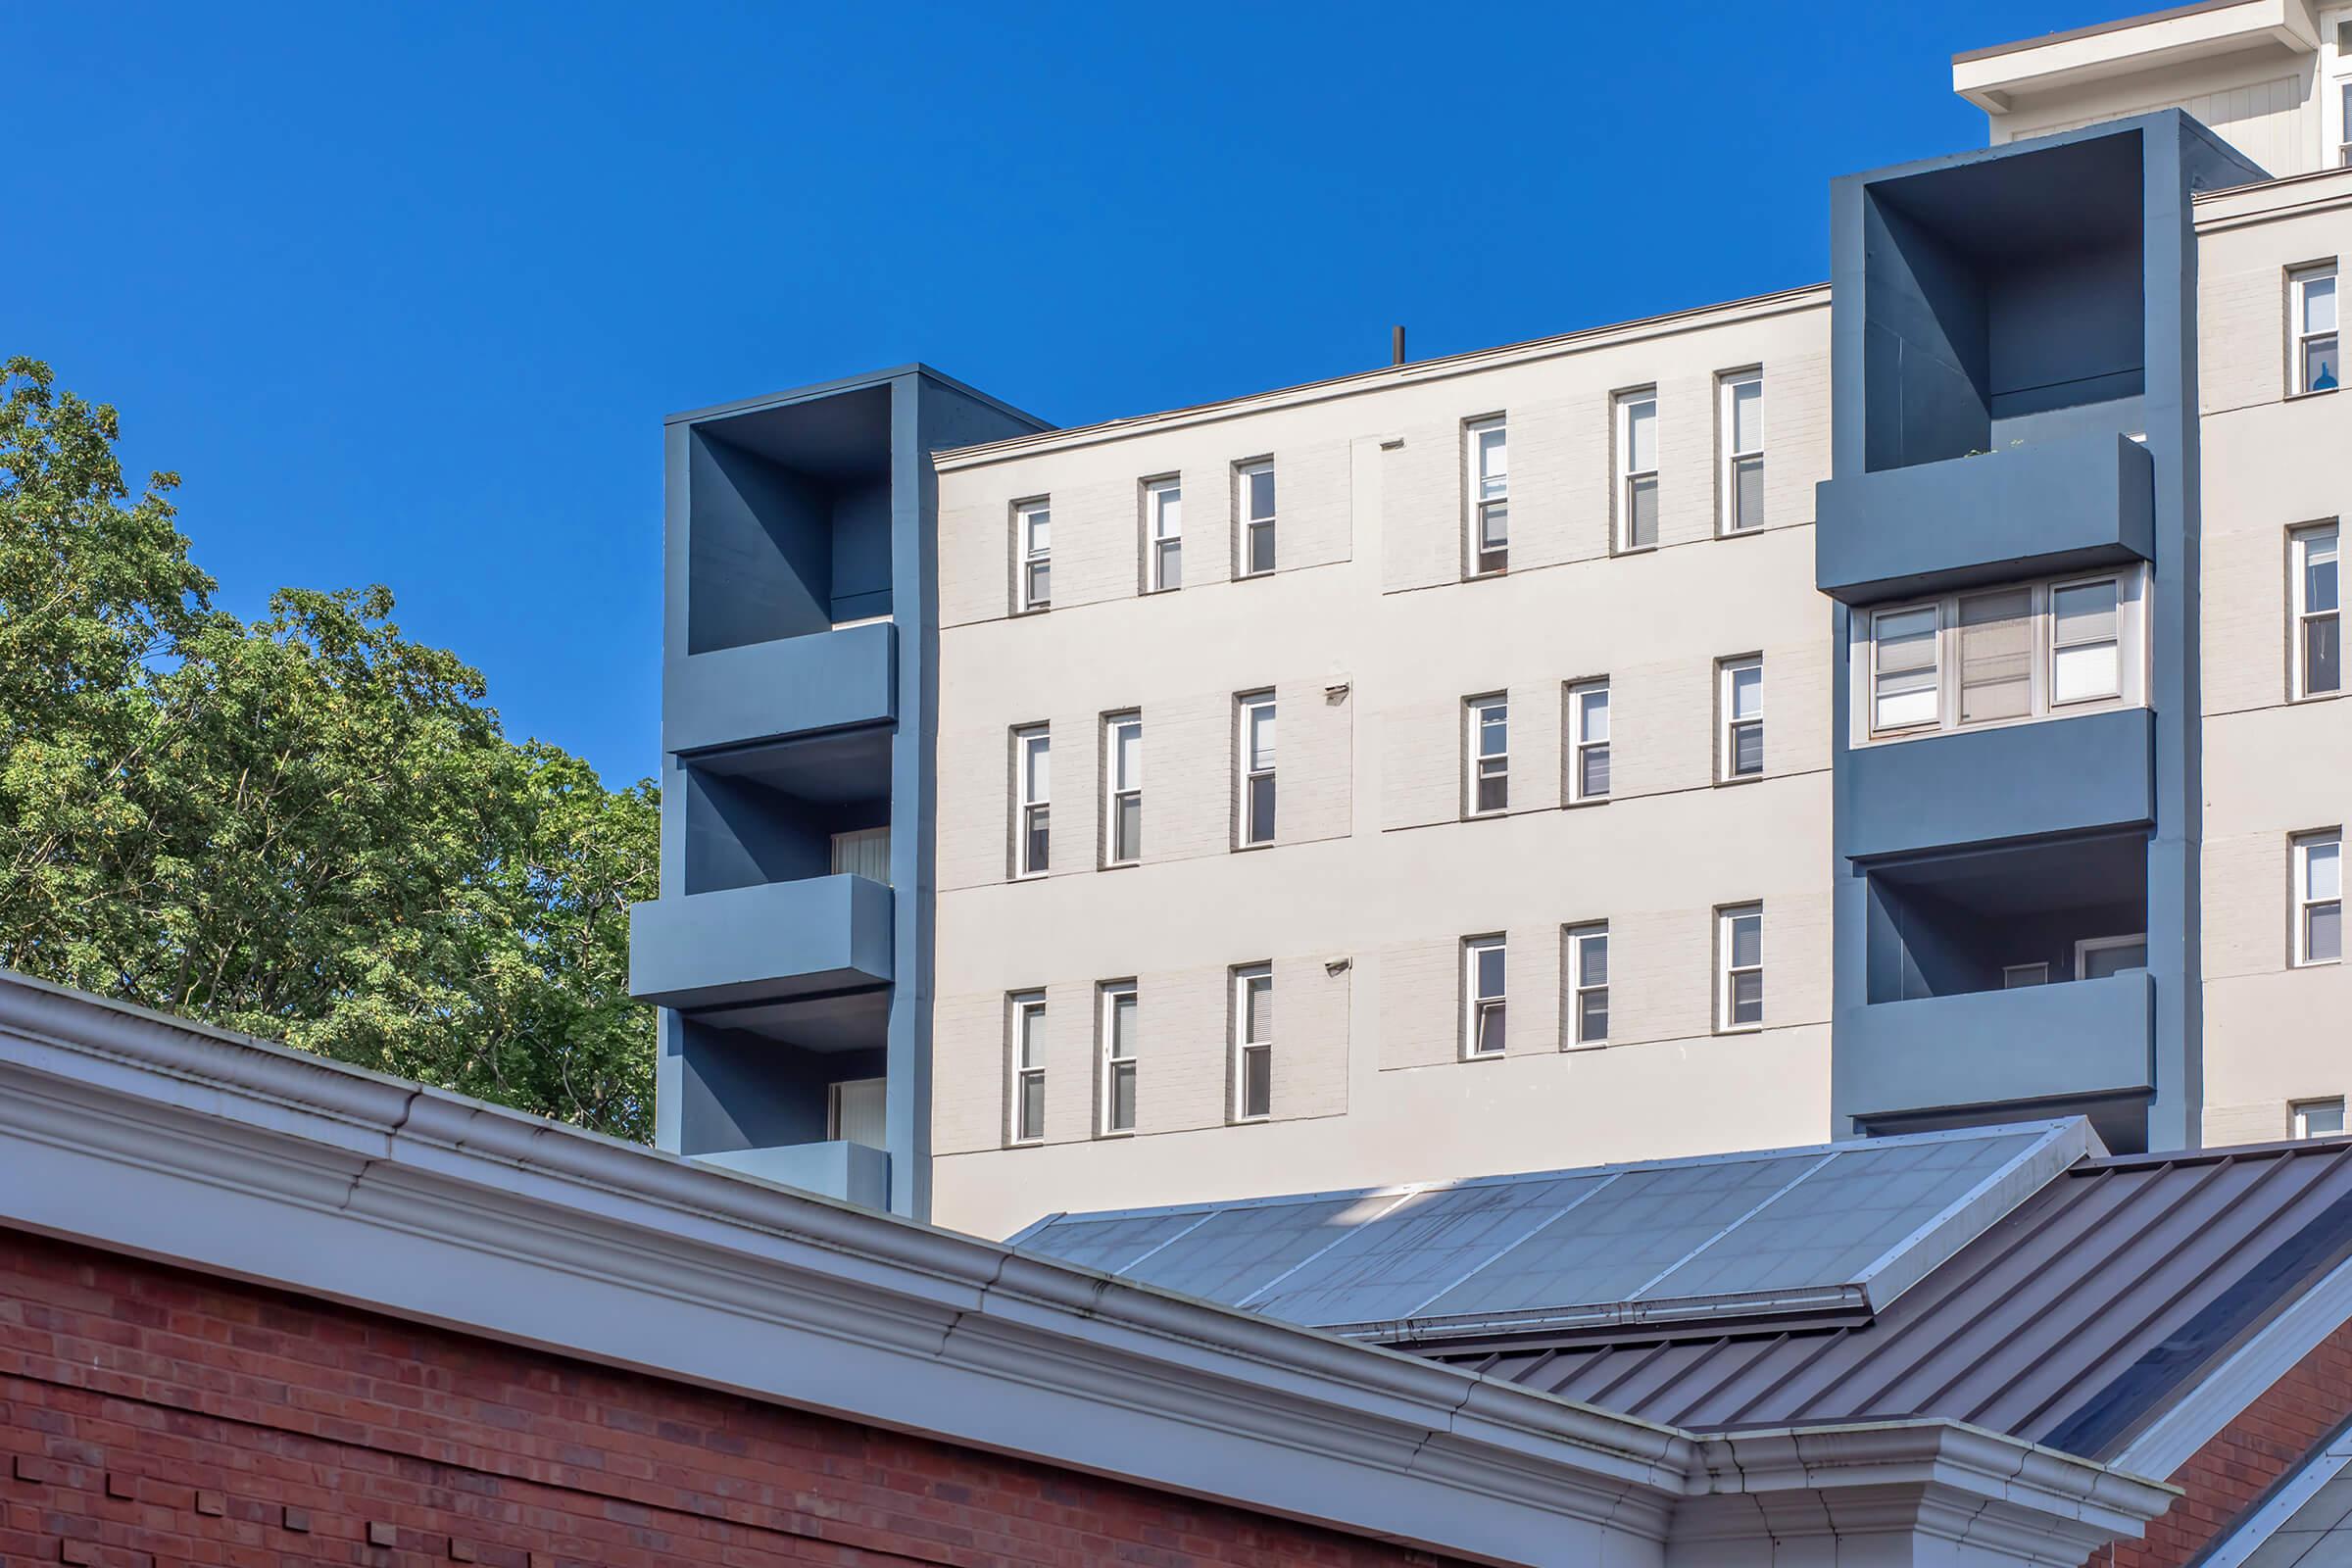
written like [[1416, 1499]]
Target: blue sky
[[403, 292]]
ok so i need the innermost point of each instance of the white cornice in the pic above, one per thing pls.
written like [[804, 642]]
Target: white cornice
[[1762, 307], [130, 1132]]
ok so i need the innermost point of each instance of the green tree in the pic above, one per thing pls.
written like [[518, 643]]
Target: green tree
[[305, 826]]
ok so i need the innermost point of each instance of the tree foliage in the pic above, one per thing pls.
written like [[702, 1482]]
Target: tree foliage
[[306, 826]]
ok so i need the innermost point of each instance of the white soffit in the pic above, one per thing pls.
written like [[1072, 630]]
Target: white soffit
[[1994, 79]]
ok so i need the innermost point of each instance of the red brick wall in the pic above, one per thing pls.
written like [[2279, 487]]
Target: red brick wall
[[152, 1416], [2268, 1438]]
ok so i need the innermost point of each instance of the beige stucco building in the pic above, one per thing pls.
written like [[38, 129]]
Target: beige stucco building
[[1721, 730]]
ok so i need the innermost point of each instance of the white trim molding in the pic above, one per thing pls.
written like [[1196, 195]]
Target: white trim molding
[[138, 1134]]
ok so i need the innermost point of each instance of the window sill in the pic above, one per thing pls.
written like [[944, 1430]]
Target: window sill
[[1252, 849], [1485, 1055], [1739, 1029], [1254, 576], [1154, 593], [1586, 804], [1024, 612], [2314, 697], [1112, 1135], [1024, 1142], [1755, 531], [1740, 779], [2318, 964], [1029, 876], [1119, 866], [1633, 550], [1583, 1045], [1495, 816], [2312, 392], [1487, 576], [1251, 1121]]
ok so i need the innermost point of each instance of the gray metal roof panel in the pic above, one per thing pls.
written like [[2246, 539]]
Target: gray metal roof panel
[[2067, 1322]]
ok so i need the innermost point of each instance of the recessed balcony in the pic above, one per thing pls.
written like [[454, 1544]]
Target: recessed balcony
[[2071, 1043], [764, 944], [2016, 781], [2034, 510], [788, 686]]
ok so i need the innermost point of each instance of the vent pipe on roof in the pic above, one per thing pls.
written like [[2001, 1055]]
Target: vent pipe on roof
[[1397, 345]]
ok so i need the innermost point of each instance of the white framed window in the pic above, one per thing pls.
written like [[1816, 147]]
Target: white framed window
[[1253, 1042], [855, 1112], [1998, 656], [2097, 958], [1740, 425], [2318, 1119], [1032, 780], [2318, 607], [862, 852], [1588, 968], [2018, 975], [2319, 873], [1485, 964], [2086, 664], [1033, 536], [1740, 967], [1487, 755], [1253, 746], [1487, 455], [1740, 709], [1588, 742], [1637, 470], [1123, 789], [2311, 307], [1164, 535], [1903, 673], [1027, 1018], [1117, 1027], [2343, 121], [1254, 504]]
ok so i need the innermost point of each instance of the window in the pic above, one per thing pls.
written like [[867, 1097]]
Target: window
[[1741, 428], [1903, 677], [1489, 457], [1028, 1067], [1637, 470], [2344, 120], [2085, 646], [1253, 1042], [2097, 958], [1588, 962], [855, 1112], [1483, 977], [1998, 656], [1123, 787], [2319, 656], [2320, 896], [1032, 766], [1740, 703], [2318, 1119], [1740, 959], [1487, 743], [1164, 520], [1588, 742], [1033, 527], [2016, 975], [1253, 486], [1256, 743], [1118, 1030], [2313, 307]]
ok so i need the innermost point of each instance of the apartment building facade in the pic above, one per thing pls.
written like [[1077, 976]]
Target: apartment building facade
[[1865, 708]]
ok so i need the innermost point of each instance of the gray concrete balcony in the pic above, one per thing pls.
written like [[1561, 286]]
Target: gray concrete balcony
[[820, 680], [2073, 1041], [2052, 506], [767, 943], [2054, 776], [836, 1168]]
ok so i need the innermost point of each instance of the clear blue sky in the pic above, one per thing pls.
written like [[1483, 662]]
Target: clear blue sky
[[405, 291]]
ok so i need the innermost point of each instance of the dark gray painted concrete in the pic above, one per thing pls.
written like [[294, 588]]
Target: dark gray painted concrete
[[2036, 510], [1978, 301]]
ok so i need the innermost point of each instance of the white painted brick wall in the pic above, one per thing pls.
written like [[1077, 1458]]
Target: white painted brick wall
[[1314, 508], [2241, 336], [1422, 521], [1314, 762], [1187, 777], [1796, 436]]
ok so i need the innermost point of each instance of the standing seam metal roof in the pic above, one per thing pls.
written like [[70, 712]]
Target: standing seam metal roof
[[2066, 1322]]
